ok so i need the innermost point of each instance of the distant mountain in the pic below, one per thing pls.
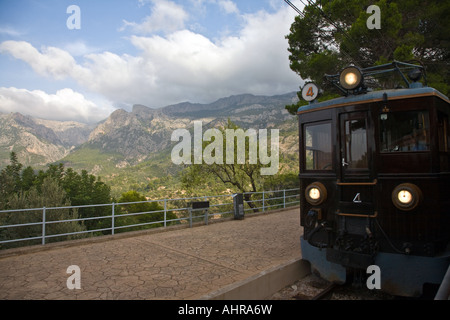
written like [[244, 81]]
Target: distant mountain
[[134, 134], [70, 133], [245, 109], [38, 142], [138, 134], [135, 146]]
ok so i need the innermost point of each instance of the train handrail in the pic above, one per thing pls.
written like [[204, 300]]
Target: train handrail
[[360, 215], [339, 183]]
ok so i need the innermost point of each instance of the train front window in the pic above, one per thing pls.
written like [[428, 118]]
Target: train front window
[[405, 131], [356, 144], [318, 147]]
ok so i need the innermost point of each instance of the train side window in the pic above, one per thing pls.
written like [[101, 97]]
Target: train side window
[[444, 141], [405, 131], [318, 153], [443, 132]]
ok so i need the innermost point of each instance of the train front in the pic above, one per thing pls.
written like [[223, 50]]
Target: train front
[[374, 183]]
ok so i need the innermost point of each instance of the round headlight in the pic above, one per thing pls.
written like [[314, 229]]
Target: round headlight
[[316, 193], [406, 196], [351, 78]]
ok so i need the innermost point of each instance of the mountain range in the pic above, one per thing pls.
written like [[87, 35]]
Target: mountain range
[[139, 140]]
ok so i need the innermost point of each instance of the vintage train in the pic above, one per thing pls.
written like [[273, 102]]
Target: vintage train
[[375, 179]]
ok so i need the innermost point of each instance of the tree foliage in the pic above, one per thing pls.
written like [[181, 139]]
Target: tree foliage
[[133, 202], [333, 34], [54, 187], [50, 195], [244, 177], [81, 189], [240, 177]]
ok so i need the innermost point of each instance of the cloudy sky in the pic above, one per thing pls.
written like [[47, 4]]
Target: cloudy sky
[[151, 52]]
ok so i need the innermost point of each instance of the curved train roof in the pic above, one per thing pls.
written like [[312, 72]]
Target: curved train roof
[[374, 96]]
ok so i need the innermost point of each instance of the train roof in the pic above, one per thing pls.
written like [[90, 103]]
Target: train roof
[[374, 96]]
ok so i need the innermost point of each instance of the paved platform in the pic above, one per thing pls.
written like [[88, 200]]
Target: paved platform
[[188, 263]]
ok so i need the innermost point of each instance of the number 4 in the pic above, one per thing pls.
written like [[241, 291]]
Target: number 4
[[310, 92]]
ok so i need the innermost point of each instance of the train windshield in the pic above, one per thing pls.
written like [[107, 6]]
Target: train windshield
[[318, 146], [405, 131]]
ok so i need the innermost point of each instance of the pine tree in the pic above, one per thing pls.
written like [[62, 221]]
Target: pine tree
[[333, 34]]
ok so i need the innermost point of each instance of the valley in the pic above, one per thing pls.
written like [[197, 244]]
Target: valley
[[132, 149]]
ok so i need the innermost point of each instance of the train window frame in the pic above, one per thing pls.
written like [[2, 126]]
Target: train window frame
[[443, 131], [323, 167], [350, 133], [410, 140]]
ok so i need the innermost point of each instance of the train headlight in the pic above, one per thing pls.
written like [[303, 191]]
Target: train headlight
[[415, 75], [316, 193], [351, 78], [406, 196]]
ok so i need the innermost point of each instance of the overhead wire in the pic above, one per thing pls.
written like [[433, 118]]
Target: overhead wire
[[295, 8]]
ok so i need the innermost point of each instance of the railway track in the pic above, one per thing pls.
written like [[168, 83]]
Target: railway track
[[325, 293], [313, 287]]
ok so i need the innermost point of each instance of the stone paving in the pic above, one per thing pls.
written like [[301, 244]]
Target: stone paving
[[179, 264]]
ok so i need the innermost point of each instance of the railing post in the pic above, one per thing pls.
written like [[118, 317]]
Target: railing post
[[206, 211], [284, 198], [112, 220], [190, 218], [165, 213], [43, 226], [264, 207]]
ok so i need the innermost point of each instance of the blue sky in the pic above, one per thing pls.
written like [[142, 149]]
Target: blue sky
[[151, 52]]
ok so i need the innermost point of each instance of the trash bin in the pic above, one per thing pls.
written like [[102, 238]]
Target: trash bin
[[238, 203]]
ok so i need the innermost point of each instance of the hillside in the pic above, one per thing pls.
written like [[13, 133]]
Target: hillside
[[38, 142], [131, 150]]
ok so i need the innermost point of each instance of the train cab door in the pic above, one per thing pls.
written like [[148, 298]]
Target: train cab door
[[355, 203], [356, 184]]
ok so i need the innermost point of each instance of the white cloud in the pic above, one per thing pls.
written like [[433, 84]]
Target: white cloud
[[166, 16], [79, 48], [64, 105], [189, 66], [52, 61], [180, 66], [228, 6], [9, 31]]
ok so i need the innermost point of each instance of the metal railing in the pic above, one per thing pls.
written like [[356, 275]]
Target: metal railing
[[36, 225]]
